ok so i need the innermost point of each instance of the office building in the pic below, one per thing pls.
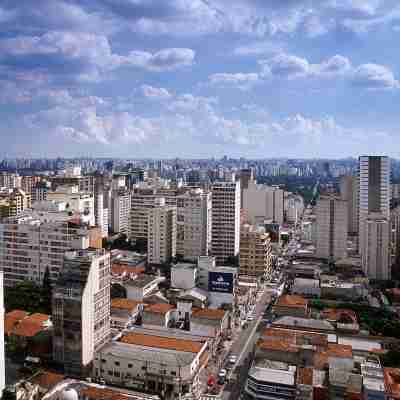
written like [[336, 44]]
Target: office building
[[349, 187], [262, 202], [161, 238], [2, 349], [81, 310], [255, 252], [375, 257], [246, 175], [193, 224], [225, 231], [40, 190], [9, 180], [120, 208], [37, 240], [331, 228]]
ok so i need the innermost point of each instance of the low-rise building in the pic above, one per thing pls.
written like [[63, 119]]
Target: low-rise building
[[183, 276], [156, 315], [306, 287], [124, 312], [144, 285], [209, 322], [291, 305]]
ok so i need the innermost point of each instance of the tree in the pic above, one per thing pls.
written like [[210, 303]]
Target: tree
[[47, 290]]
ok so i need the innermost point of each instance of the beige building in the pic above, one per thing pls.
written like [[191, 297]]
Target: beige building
[[255, 252], [37, 240], [331, 228], [161, 238], [225, 227], [193, 224], [349, 186], [81, 310], [375, 257], [120, 208]]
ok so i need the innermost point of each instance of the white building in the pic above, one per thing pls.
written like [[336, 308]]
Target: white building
[[374, 192], [37, 240], [81, 310], [161, 239], [331, 228], [349, 191], [2, 351], [225, 241], [120, 208], [375, 256], [193, 224], [99, 211], [183, 276], [76, 202], [294, 207], [262, 202]]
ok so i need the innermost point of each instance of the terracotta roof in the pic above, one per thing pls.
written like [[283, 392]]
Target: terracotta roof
[[392, 381], [96, 393], [277, 344], [340, 315], [12, 318], [119, 269], [39, 318], [305, 376], [292, 301], [125, 304], [159, 308], [47, 379], [27, 328], [340, 350], [296, 337], [140, 339], [208, 313]]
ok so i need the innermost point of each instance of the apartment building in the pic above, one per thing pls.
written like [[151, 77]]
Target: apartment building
[[193, 224], [2, 349], [332, 225], [36, 240], [161, 238], [9, 180], [81, 310], [349, 191], [120, 208], [255, 252], [225, 226], [157, 364], [262, 202]]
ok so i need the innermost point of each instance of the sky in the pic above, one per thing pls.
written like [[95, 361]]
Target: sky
[[199, 78]]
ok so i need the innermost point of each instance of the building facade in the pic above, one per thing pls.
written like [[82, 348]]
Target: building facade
[[193, 224], [120, 208], [349, 188], [81, 310], [225, 231]]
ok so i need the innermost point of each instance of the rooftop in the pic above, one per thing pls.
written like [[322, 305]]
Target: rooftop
[[125, 304], [340, 315], [305, 376], [272, 371], [160, 342], [277, 345], [47, 379], [96, 393], [124, 269], [142, 281], [159, 308], [12, 318], [208, 313], [305, 323], [291, 301], [392, 381], [340, 350], [29, 326]]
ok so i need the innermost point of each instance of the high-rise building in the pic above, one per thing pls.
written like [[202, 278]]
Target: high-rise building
[[262, 202], [375, 256], [193, 224], [255, 252], [81, 310], [246, 175], [120, 208], [2, 350], [225, 231], [331, 228], [374, 198], [349, 187], [8, 180], [161, 238], [36, 240]]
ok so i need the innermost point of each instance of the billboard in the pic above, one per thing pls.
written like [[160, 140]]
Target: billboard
[[221, 282]]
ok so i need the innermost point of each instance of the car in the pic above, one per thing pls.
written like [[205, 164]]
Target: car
[[222, 376], [232, 360], [250, 318]]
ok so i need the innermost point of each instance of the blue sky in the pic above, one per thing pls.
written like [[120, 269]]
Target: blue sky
[[198, 78]]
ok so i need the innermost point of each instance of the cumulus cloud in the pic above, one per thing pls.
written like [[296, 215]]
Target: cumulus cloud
[[373, 76], [155, 93], [239, 80], [258, 48]]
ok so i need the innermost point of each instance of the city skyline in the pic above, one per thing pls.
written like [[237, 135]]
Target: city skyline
[[199, 78]]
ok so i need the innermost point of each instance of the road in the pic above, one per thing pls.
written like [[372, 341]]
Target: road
[[243, 349]]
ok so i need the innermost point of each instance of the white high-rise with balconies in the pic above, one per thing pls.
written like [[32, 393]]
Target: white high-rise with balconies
[[374, 198], [225, 226], [331, 228], [193, 224], [349, 191]]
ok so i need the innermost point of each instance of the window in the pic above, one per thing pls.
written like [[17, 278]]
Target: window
[[117, 363], [129, 365], [173, 373]]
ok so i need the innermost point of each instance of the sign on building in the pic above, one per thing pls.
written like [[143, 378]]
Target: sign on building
[[221, 282]]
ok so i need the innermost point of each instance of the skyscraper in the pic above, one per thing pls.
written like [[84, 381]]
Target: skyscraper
[[225, 226], [81, 309], [349, 188], [331, 228], [2, 353], [374, 198]]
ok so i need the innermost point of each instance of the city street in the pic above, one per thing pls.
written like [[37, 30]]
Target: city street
[[242, 348]]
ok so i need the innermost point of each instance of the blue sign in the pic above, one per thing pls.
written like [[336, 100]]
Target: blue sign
[[221, 282]]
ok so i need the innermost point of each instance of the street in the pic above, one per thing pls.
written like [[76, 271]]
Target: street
[[242, 348]]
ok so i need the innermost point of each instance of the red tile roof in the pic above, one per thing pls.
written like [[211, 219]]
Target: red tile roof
[[340, 315], [292, 301], [340, 350], [120, 269], [140, 339], [96, 393], [12, 318], [47, 379], [296, 337], [208, 313], [125, 304], [392, 381], [305, 376], [159, 308], [31, 325], [277, 344]]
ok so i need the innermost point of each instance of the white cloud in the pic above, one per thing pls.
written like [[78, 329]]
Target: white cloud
[[239, 80], [155, 93], [258, 48], [373, 76]]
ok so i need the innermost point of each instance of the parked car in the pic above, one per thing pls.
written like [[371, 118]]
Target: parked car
[[232, 360], [222, 376]]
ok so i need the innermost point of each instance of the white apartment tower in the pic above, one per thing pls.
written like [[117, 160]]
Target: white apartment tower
[[331, 228], [349, 188], [81, 310], [375, 257], [120, 208], [193, 224], [374, 198], [225, 226], [161, 237]]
